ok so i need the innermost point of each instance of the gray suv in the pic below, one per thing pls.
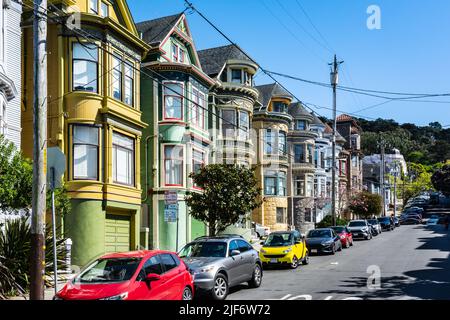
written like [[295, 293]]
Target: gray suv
[[218, 263]]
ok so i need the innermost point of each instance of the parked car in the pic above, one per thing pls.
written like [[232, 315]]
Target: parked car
[[221, 262], [411, 219], [260, 230], [284, 248], [345, 235], [323, 240], [137, 275], [386, 223], [360, 229], [433, 221], [376, 227]]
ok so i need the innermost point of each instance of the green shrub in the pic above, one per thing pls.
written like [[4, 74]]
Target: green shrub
[[327, 222]]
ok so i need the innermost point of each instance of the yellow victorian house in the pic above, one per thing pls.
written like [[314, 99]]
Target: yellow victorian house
[[94, 116]]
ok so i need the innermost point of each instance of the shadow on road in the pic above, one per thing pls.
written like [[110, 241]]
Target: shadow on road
[[433, 283]]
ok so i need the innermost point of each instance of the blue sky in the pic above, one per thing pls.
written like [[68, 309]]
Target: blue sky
[[410, 53]]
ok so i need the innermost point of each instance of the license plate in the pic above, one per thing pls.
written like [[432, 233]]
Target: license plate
[[273, 260], [313, 250]]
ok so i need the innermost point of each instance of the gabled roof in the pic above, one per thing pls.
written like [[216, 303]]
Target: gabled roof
[[212, 60], [329, 130], [297, 110], [268, 91], [154, 31], [316, 120], [344, 118]]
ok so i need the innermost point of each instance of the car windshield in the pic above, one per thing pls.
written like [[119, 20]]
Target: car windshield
[[109, 270], [383, 219], [357, 224], [204, 249], [319, 234], [338, 229], [279, 240], [372, 221]]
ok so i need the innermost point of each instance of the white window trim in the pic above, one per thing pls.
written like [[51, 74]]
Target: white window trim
[[163, 166], [164, 83], [133, 161]]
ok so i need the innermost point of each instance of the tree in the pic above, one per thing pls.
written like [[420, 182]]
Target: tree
[[16, 178], [441, 179], [229, 192], [366, 204]]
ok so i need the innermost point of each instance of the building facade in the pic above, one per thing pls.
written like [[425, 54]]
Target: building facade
[[94, 117], [174, 91], [304, 178], [10, 71], [271, 122]]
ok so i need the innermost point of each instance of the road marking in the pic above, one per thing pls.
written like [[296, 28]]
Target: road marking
[[335, 263]]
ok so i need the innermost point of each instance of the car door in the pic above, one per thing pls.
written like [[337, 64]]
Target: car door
[[298, 247], [173, 276], [233, 264], [336, 239], [154, 290], [249, 256]]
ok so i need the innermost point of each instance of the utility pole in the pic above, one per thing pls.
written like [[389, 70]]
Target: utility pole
[[382, 176], [37, 271], [334, 78], [395, 188]]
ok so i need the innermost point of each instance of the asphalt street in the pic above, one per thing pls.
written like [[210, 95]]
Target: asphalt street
[[411, 262]]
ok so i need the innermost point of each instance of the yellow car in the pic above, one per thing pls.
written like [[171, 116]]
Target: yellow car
[[284, 247]]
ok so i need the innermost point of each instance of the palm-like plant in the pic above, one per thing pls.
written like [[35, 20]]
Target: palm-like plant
[[15, 249]]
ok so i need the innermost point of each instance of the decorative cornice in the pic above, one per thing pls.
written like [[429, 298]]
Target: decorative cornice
[[7, 87]]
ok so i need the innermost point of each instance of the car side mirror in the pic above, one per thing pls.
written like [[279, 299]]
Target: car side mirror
[[235, 253], [152, 277]]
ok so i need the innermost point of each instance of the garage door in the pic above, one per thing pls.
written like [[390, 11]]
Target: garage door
[[117, 233]]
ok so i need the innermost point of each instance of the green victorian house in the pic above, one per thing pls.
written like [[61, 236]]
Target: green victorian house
[[174, 95]]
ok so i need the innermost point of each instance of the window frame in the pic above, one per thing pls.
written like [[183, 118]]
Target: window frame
[[118, 69], [172, 94], [232, 79], [175, 51], [198, 105], [195, 160], [130, 65], [302, 156], [284, 214], [165, 146], [91, 10], [133, 159], [299, 180], [103, 3], [97, 63], [73, 125]]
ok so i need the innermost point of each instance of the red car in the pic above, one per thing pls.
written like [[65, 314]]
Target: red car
[[345, 235], [138, 275]]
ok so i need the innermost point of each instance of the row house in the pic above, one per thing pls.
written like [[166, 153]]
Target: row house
[[10, 71], [94, 117], [174, 98]]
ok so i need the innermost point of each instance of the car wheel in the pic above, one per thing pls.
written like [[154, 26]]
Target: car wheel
[[333, 250], [347, 244], [294, 263], [306, 258], [220, 289], [256, 278], [187, 294]]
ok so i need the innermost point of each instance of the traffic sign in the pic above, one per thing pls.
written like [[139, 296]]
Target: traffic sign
[[171, 197]]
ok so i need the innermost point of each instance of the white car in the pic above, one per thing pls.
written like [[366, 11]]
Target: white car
[[260, 230]]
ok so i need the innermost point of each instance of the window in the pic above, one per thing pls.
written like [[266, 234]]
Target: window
[[85, 67], [198, 161], [3, 124], [310, 153], [104, 9], [244, 125], [275, 183], [281, 215], [173, 165], [316, 158], [85, 152], [117, 78], [168, 262], [182, 56], [316, 188], [232, 246], [236, 76], [355, 161], [174, 52], [299, 153], [123, 159], [279, 106], [243, 246], [308, 215], [282, 143], [228, 122], [299, 185], [153, 265], [2, 32], [309, 186], [269, 141], [300, 125], [129, 84], [322, 160], [173, 101], [198, 108], [93, 6]]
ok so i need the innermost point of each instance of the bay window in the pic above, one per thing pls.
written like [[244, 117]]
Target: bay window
[[117, 78], [173, 165], [173, 101], [310, 153], [282, 143], [309, 186], [123, 159], [269, 141], [198, 108], [282, 184], [104, 9], [299, 186], [244, 125], [129, 84], [85, 67], [85, 152], [93, 6], [299, 153], [270, 186], [279, 106], [300, 125], [198, 161], [275, 183], [236, 75], [228, 122]]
